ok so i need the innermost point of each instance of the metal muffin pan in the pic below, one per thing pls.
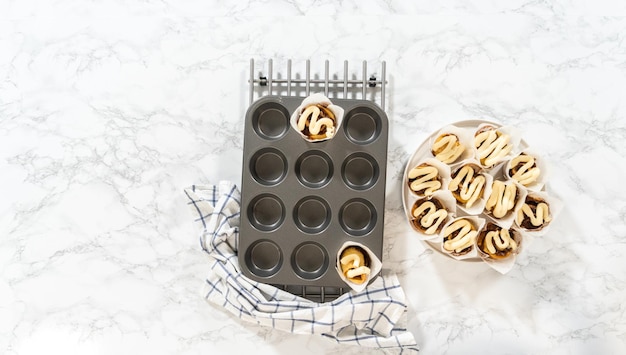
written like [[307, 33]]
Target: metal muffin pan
[[302, 200]]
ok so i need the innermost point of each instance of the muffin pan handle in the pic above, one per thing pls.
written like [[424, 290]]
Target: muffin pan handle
[[268, 85]]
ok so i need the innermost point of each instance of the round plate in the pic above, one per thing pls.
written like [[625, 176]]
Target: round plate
[[423, 152]]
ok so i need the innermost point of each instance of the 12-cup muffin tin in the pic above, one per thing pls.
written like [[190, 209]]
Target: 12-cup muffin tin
[[302, 200]]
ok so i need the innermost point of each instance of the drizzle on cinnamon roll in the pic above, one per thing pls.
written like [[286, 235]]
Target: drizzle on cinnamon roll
[[459, 237], [467, 184], [497, 242], [523, 168], [355, 264], [317, 122], [502, 199], [429, 215], [492, 145], [447, 148], [534, 214], [424, 179]]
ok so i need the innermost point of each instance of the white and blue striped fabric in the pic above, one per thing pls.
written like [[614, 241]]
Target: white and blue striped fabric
[[371, 318]]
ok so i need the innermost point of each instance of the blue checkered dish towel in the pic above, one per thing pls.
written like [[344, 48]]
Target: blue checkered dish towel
[[373, 317]]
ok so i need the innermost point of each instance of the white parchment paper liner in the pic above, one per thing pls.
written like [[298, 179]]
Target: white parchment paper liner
[[555, 206], [508, 219], [443, 172], [515, 138], [449, 203], [479, 205], [375, 265], [478, 223], [503, 265], [465, 138], [315, 99], [543, 168]]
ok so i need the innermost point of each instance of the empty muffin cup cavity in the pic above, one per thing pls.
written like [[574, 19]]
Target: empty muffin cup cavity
[[266, 212], [362, 125], [360, 171], [264, 258], [270, 120], [312, 214], [357, 217], [314, 169], [268, 166], [310, 260]]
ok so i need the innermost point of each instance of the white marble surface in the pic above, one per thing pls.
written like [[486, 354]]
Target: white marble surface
[[108, 110]]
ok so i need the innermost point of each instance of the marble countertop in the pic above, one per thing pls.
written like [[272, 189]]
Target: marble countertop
[[107, 111]]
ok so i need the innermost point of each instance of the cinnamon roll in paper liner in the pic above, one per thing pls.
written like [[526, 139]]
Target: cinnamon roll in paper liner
[[470, 185], [528, 169], [535, 215], [317, 119], [428, 215], [427, 177], [357, 265], [451, 145], [458, 237], [493, 145], [505, 198], [498, 246]]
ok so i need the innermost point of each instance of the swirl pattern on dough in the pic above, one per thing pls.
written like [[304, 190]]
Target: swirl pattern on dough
[[354, 265], [447, 148], [523, 168], [424, 179], [497, 242], [492, 145], [534, 214], [429, 216], [467, 185], [502, 198], [317, 122], [459, 236]]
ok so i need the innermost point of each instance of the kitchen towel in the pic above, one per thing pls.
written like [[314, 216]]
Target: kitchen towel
[[373, 317]]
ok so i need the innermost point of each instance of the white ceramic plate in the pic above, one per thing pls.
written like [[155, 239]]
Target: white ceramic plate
[[424, 152]]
